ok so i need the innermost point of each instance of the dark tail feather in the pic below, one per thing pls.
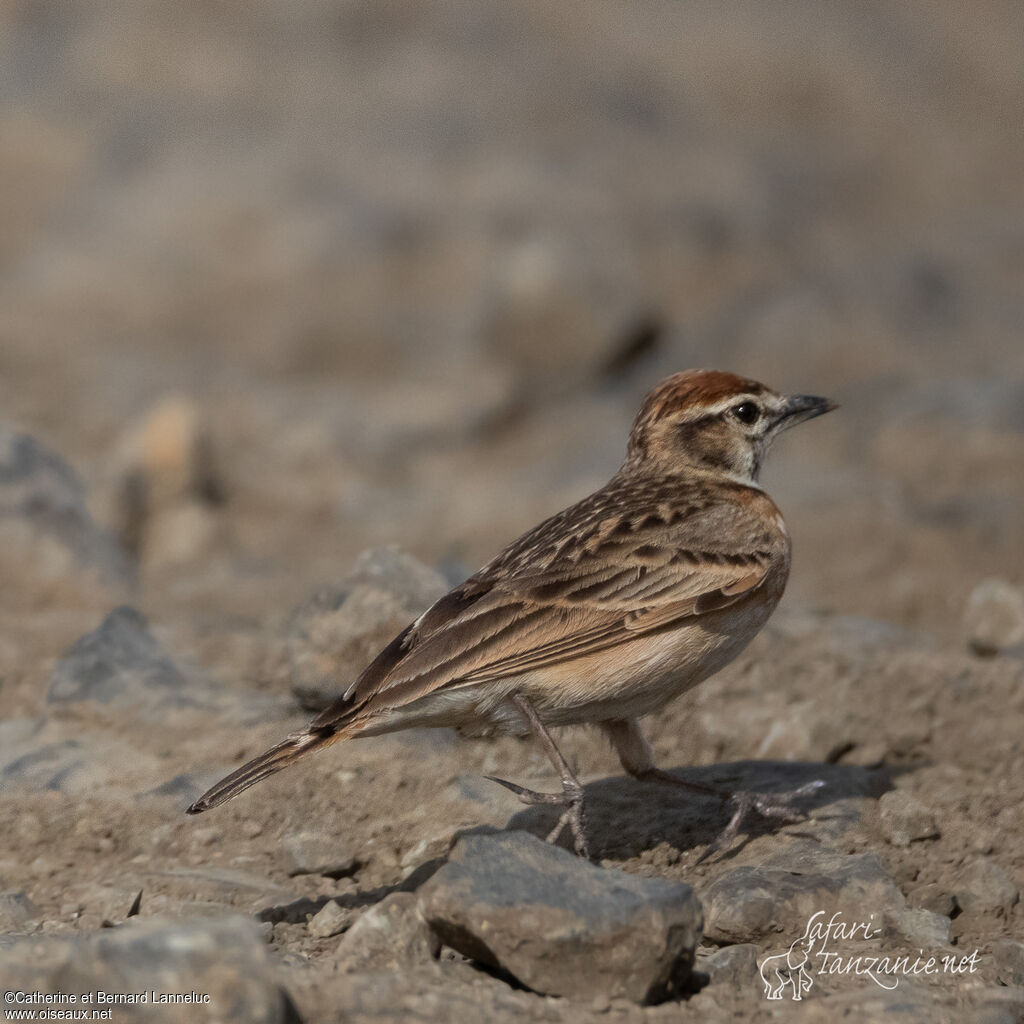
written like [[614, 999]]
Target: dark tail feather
[[269, 762]]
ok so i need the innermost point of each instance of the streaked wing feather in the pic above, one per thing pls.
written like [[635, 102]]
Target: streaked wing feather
[[566, 596]]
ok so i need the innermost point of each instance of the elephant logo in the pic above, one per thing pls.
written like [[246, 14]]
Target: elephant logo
[[787, 969]]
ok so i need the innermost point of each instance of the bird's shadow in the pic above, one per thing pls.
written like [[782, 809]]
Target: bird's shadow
[[625, 817]]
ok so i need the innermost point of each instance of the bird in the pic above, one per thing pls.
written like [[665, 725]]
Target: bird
[[602, 613]]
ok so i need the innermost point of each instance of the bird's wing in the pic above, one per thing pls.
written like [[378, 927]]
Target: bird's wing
[[591, 578]]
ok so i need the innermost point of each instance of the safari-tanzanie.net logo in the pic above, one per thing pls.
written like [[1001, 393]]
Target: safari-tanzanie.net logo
[[815, 955]]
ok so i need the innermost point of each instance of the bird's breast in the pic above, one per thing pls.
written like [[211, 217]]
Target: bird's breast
[[642, 675]]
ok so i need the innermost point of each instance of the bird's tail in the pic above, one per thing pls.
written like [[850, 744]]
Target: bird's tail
[[270, 761]]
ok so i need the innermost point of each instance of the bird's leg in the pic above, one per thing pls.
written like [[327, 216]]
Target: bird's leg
[[571, 796], [638, 760]]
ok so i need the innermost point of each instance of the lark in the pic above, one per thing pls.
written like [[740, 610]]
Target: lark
[[601, 614]]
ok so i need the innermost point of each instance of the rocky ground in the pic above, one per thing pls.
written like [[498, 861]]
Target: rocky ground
[[306, 310]]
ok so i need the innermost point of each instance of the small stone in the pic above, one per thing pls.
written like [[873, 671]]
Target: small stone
[[904, 819], [313, 853], [982, 840], [921, 928], [732, 967], [994, 618], [44, 518], [390, 935], [1008, 959], [984, 887], [424, 850], [164, 465], [206, 836], [330, 920], [16, 911], [561, 925], [932, 897], [252, 828], [120, 661], [179, 536], [751, 903], [338, 631]]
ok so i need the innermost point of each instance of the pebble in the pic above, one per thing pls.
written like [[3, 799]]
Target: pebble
[[390, 935], [329, 920], [920, 928], [731, 967], [313, 853], [206, 836], [932, 897], [1008, 959], [984, 887], [340, 628], [904, 819], [994, 618], [119, 662], [16, 911], [44, 515]]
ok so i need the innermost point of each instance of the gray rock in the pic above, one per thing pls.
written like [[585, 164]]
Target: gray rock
[[994, 618], [560, 925], [39, 766], [118, 661], [224, 959], [1008, 960], [390, 935], [314, 853], [779, 896], [733, 967], [920, 928], [904, 819], [121, 664], [329, 920], [16, 911], [984, 887], [341, 628], [43, 507], [932, 897]]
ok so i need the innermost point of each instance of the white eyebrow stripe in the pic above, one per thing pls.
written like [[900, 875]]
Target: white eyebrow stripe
[[727, 403]]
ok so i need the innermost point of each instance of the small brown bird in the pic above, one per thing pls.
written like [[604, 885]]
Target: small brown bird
[[602, 613]]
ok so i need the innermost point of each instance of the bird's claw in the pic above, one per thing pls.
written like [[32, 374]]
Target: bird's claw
[[768, 805], [571, 798], [529, 796]]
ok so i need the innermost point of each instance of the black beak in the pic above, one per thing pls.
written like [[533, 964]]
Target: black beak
[[804, 407]]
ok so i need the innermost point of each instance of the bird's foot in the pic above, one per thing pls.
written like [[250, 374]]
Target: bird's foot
[[574, 815], [769, 805]]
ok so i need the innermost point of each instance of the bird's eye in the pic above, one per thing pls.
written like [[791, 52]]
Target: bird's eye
[[746, 412]]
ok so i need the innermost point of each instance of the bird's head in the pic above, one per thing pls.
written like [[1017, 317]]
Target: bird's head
[[714, 421]]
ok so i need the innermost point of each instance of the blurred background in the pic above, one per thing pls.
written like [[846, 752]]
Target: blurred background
[[282, 281]]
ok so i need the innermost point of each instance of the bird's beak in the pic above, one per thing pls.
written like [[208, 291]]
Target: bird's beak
[[798, 408]]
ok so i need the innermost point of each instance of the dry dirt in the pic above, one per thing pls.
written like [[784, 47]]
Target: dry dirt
[[284, 283]]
